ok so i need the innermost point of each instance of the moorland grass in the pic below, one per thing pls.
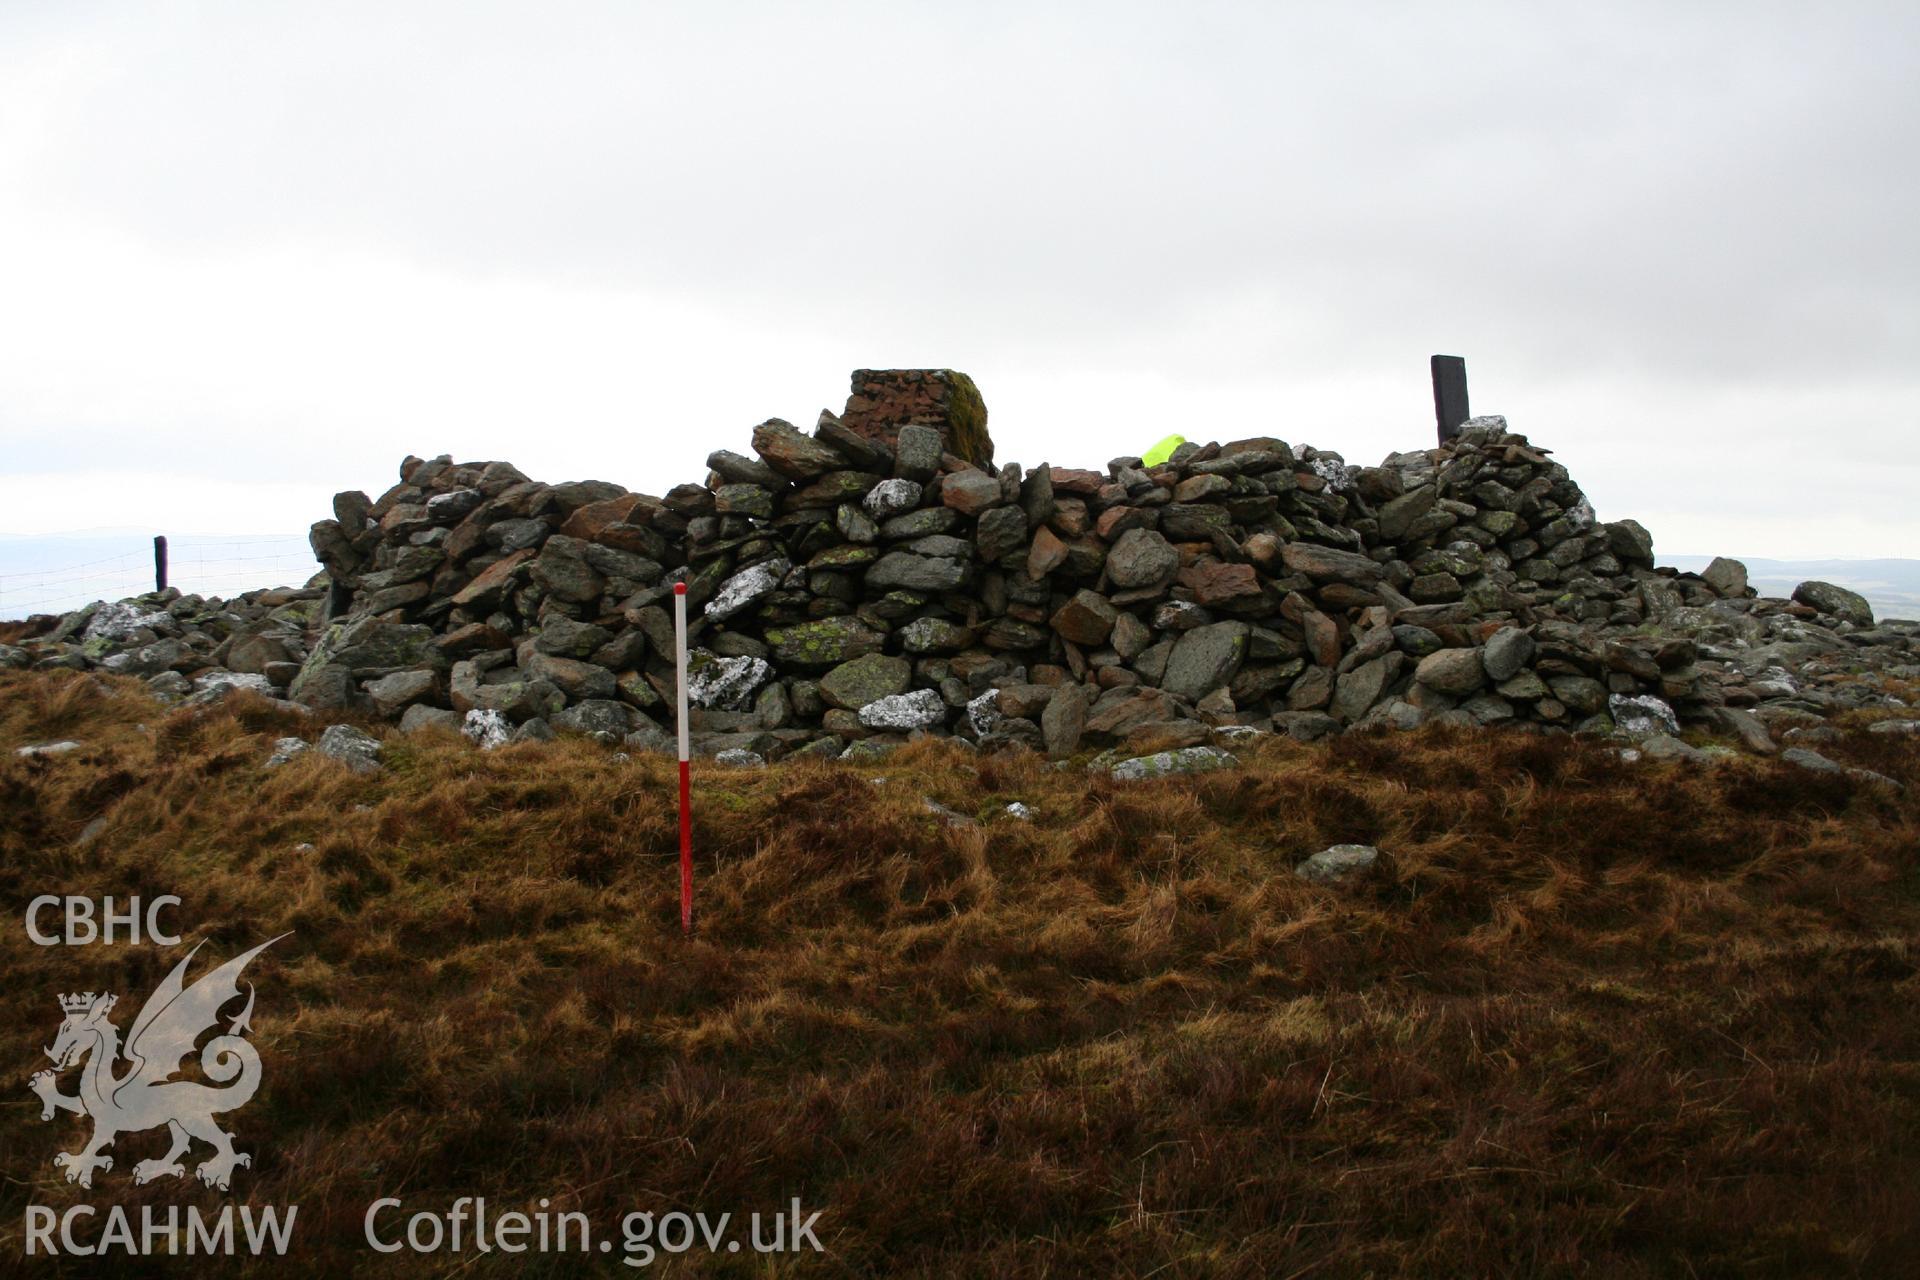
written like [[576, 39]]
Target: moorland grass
[[1585, 1016]]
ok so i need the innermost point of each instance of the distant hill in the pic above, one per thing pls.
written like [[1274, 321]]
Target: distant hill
[[1892, 587]]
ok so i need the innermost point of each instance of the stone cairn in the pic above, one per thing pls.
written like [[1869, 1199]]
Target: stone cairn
[[879, 579]]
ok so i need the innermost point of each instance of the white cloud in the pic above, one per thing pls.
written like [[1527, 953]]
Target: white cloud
[[250, 255]]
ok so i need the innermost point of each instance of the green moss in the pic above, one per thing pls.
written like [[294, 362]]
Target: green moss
[[967, 420]]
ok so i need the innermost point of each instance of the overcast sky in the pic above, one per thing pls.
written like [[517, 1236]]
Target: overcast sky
[[253, 253]]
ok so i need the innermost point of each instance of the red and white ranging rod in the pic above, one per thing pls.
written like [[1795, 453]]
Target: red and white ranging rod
[[686, 777]]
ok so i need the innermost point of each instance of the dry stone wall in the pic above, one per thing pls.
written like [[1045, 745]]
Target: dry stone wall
[[862, 583]]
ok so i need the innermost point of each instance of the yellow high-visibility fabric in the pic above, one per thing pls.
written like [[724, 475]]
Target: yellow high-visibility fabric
[[1162, 451]]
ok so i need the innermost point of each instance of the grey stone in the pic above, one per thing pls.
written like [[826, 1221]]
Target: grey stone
[[454, 505], [918, 709], [750, 500], [1581, 693], [1811, 760], [1355, 692], [1506, 652], [727, 684], [1130, 636], [217, 684], [169, 685], [1486, 709], [1000, 532], [868, 749], [1305, 726], [487, 729], [971, 492], [651, 737], [517, 534], [1642, 715], [983, 713], [1205, 659], [852, 685], [855, 525], [893, 497], [1087, 619], [798, 457], [117, 621], [919, 524], [419, 716], [285, 749], [1525, 686], [746, 589], [1849, 606], [516, 699], [355, 748], [563, 569], [916, 452], [1630, 541], [1337, 863], [323, 686], [574, 678], [1664, 746], [816, 645], [940, 545], [366, 646], [1036, 495], [1327, 564], [1726, 577], [905, 570], [46, 750], [535, 729], [1398, 514], [1064, 720], [738, 469], [146, 660], [1452, 671], [1167, 763], [1142, 559], [934, 635], [599, 718], [1749, 728], [392, 694], [740, 758]]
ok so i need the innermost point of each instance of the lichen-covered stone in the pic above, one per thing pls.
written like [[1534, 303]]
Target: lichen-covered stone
[[1848, 606], [1167, 763], [284, 750], [1642, 715], [917, 709], [487, 729], [355, 748], [893, 497], [746, 589], [727, 684], [1336, 863], [854, 684], [1205, 659]]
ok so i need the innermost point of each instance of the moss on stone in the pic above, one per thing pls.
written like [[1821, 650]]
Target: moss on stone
[[967, 420]]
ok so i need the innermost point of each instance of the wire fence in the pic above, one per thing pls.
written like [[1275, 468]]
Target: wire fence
[[56, 574]]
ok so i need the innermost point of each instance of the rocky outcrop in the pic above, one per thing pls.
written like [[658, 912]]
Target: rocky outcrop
[[860, 585]]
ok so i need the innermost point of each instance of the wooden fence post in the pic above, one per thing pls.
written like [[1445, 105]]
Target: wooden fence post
[[160, 562]]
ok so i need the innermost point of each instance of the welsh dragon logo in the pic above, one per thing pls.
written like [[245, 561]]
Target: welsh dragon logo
[[143, 1096]]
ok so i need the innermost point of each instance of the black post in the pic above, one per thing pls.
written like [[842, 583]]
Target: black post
[[1450, 395], [160, 562]]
